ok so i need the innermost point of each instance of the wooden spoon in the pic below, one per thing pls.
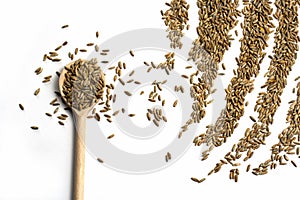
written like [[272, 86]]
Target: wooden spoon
[[79, 141]]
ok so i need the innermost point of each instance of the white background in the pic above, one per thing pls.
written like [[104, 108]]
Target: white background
[[37, 165]]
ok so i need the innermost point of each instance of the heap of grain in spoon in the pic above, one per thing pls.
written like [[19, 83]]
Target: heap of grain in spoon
[[83, 85]]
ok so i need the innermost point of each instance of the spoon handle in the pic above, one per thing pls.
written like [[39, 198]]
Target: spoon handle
[[79, 158]]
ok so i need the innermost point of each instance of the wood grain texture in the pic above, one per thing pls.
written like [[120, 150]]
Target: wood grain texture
[[79, 157]]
